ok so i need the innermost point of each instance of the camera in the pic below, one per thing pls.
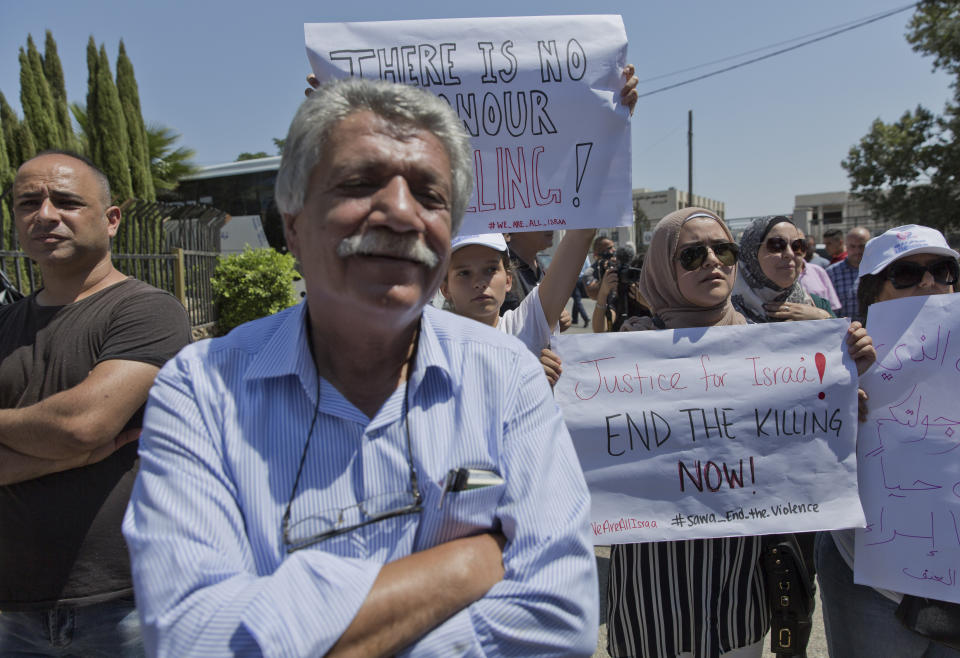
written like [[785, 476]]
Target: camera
[[619, 300]]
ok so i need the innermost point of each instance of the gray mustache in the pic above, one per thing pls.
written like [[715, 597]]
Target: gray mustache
[[381, 242]]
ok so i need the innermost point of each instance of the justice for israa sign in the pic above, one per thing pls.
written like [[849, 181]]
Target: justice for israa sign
[[909, 450], [714, 432], [539, 97]]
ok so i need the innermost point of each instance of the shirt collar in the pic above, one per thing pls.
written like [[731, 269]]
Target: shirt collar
[[287, 353], [431, 361]]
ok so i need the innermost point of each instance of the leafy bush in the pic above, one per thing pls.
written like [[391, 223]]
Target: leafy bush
[[252, 285]]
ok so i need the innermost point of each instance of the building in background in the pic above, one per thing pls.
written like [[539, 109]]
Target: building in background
[[650, 206], [816, 213]]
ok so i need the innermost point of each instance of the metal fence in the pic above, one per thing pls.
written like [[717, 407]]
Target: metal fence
[[174, 247], [184, 273]]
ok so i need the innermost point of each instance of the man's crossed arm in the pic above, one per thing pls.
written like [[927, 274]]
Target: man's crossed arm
[[75, 427]]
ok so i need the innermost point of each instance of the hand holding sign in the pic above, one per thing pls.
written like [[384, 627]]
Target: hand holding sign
[[908, 450], [537, 95], [714, 432]]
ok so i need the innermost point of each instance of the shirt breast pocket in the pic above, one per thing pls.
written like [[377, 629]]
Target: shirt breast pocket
[[461, 513]]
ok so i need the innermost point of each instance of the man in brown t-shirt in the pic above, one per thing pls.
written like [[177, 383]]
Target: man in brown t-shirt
[[77, 359]]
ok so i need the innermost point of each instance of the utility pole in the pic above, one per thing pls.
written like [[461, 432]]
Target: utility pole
[[689, 158]]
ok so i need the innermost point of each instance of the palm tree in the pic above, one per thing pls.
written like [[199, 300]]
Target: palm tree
[[167, 164]]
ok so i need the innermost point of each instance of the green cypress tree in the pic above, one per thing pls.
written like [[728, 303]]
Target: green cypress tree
[[36, 99], [110, 130], [139, 155], [93, 143], [6, 180], [8, 124], [53, 71], [26, 148], [26, 145]]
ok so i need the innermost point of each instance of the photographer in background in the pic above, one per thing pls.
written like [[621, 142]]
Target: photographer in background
[[618, 296], [602, 246]]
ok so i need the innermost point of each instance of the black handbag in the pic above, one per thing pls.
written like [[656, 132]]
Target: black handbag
[[790, 595], [937, 620]]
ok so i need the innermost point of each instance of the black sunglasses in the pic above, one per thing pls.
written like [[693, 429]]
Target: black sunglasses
[[692, 257], [906, 274], [779, 245]]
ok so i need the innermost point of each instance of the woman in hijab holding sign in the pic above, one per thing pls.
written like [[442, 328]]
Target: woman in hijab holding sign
[[767, 288], [859, 620], [701, 597]]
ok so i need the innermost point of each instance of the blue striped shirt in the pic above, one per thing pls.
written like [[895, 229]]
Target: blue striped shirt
[[225, 426]]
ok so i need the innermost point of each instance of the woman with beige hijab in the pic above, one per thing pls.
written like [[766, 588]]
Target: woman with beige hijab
[[703, 597]]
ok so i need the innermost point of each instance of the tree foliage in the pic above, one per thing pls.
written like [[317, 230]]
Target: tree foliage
[[92, 114], [252, 156], [140, 176], [6, 180], [36, 99], [108, 137], [251, 285], [110, 126], [9, 121], [168, 164], [53, 72], [907, 171]]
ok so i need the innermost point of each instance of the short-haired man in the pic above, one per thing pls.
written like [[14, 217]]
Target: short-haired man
[[833, 243], [811, 255], [363, 473], [844, 274], [77, 359]]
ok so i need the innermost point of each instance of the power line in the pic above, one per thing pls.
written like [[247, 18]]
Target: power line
[[834, 33], [760, 49]]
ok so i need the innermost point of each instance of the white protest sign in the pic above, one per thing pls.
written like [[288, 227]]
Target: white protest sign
[[538, 95], [908, 451], [714, 432]]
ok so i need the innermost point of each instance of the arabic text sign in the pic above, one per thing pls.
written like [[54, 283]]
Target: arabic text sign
[[538, 95], [713, 432], [908, 451]]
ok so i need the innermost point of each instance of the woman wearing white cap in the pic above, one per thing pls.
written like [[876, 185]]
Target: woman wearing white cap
[[859, 620], [480, 275]]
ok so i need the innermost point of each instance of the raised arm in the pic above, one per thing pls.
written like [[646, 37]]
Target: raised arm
[[602, 322], [561, 276]]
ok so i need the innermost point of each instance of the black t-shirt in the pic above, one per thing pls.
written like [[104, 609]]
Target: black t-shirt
[[60, 538]]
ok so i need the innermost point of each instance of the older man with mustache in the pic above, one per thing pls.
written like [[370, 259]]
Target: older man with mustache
[[363, 474]]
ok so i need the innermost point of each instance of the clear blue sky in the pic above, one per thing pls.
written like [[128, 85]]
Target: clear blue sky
[[228, 76]]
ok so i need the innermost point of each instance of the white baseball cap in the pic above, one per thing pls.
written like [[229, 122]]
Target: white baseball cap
[[493, 240], [902, 241]]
